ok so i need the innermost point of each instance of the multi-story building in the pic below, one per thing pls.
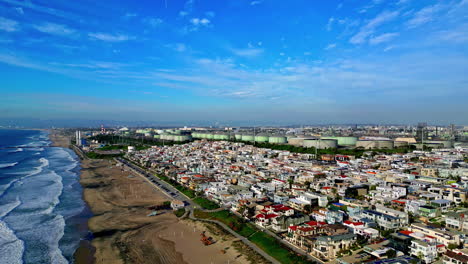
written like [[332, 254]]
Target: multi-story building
[[425, 251], [457, 220], [442, 236], [328, 247], [451, 257], [384, 221]]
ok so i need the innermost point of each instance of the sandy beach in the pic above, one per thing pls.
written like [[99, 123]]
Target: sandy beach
[[123, 233]]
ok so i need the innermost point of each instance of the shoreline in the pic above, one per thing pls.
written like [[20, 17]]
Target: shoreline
[[122, 231]]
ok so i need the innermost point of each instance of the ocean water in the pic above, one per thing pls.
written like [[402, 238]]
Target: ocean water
[[42, 213]]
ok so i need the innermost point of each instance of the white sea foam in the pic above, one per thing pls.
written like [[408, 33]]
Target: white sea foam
[[11, 248], [7, 165], [16, 150], [55, 253], [7, 208]]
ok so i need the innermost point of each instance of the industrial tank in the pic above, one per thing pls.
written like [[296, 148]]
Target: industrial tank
[[375, 144], [167, 136], [261, 138], [344, 141], [248, 138], [445, 143], [320, 143], [277, 140], [297, 141], [181, 138], [400, 144], [222, 137]]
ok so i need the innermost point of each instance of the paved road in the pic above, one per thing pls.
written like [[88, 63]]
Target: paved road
[[163, 186]]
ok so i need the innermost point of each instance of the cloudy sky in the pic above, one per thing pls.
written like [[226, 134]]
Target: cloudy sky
[[235, 61]]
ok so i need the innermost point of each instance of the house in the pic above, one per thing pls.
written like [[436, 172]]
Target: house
[[441, 236], [384, 221], [457, 220], [442, 204], [177, 204], [451, 257], [426, 251], [328, 247]]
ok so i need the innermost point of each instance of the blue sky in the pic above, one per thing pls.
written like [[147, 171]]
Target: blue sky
[[235, 61]]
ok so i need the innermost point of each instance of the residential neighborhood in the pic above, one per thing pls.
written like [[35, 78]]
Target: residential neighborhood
[[401, 208]]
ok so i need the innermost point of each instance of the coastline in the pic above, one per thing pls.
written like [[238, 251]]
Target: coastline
[[122, 231]]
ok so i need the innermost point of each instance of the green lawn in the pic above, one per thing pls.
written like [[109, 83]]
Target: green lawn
[[205, 203], [275, 249], [266, 242], [180, 212]]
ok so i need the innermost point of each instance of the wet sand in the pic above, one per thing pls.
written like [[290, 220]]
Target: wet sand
[[123, 233]]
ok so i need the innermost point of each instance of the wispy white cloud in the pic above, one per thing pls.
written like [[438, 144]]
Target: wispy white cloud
[[210, 14], [330, 46], [110, 37], [129, 15], [43, 9], [424, 15], [188, 8], [330, 23], [368, 29], [456, 35], [179, 47], [19, 10], [8, 25], [248, 52], [153, 21], [256, 2], [200, 21], [55, 29], [383, 38]]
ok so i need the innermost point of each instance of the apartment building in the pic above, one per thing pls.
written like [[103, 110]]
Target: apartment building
[[441, 236]]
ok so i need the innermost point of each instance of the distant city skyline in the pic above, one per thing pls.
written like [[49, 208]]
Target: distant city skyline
[[235, 62]]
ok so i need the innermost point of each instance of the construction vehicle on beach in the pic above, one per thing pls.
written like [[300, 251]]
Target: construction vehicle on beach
[[206, 240]]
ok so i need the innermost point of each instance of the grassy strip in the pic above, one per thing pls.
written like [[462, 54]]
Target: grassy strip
[[235, 223], [205, 203], [94, 155], [264, 241], [180, 212], [188, 192]]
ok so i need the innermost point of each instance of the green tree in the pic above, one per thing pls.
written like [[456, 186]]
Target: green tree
[[390, 253]]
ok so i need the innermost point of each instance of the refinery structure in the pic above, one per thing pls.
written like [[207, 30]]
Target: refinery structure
[[320, 137]]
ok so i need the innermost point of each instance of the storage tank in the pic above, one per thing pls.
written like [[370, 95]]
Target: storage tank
[[344, 141], [445, 143], [167, 136], [221, 136], [374, 144], [248, 138], [277, 140], [261, 138], [400, 144], [181, 138], [320, 143], [238, 136], [295, 141]]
